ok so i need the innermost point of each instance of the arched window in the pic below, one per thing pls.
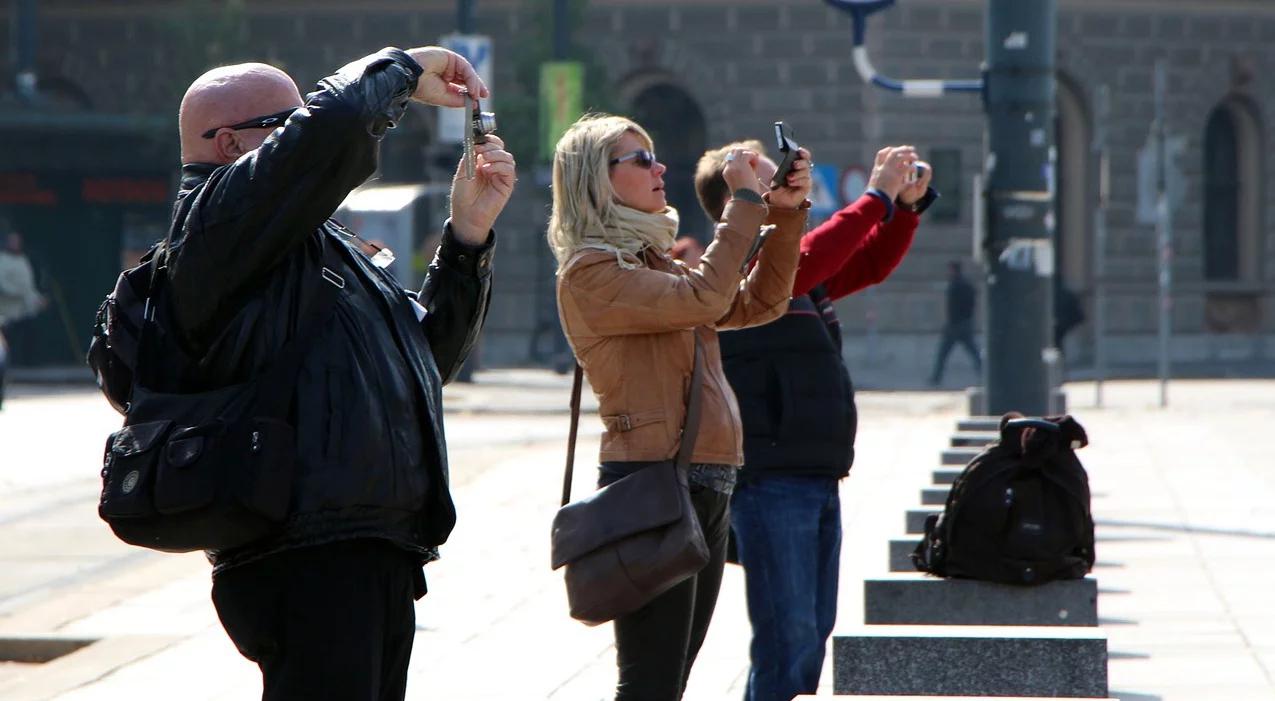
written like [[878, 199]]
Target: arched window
[[1232, 186], [1221, 198]]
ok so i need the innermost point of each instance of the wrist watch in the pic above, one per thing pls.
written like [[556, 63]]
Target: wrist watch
[[920, 205]]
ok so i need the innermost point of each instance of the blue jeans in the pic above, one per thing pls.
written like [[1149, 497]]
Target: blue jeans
[[788, 537]]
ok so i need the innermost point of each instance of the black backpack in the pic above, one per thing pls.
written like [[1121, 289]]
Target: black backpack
[[1019, 512], [117, 330], [195, 467]]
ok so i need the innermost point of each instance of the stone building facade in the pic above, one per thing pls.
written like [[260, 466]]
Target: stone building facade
[[703, 72]]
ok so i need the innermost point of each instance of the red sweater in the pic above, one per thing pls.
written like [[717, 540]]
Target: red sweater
[[854, 249]]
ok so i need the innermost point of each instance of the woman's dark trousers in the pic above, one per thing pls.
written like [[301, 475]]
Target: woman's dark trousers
[[656, 645]]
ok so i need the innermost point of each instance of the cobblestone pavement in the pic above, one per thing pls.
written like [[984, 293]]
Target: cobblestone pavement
[[1184, 497]]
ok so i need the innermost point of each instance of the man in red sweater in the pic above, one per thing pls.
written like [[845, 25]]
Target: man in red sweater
[[799, 419]]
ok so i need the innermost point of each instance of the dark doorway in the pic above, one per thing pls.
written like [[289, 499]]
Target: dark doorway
[[676, 124], [1221, 198]]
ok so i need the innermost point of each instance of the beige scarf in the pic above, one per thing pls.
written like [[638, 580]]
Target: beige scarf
[[631, 231]]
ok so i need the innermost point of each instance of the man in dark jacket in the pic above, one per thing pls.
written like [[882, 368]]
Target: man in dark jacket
[[960, 297], [797, 405], [325, 605]]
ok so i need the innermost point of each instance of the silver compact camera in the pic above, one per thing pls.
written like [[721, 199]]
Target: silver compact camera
[[915, 174], [478, 124]]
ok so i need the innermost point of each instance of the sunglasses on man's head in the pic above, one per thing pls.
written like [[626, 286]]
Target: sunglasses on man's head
[[641, 158], [270, 120]]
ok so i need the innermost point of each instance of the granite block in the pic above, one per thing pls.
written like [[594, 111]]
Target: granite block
[[915, 519], [934, 496], [971, 660], [979, 424], [947, 475], [959, 456], [916, 599], [901, 554], [974, 439]]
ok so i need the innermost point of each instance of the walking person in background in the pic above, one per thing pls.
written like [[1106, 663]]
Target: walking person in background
[[960, 297], [19, 297], [634, 316], [797, 404]]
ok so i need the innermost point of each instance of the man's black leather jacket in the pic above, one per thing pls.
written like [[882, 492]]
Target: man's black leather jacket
[[372, 458]]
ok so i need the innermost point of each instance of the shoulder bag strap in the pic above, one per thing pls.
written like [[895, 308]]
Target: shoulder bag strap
[[690, 430], [571, 439]]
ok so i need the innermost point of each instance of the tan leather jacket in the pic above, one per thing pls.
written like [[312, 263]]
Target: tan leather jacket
[[631, 331]]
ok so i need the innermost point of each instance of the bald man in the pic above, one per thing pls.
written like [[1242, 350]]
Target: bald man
[[325, 604]]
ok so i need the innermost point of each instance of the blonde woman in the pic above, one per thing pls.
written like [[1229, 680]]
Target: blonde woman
[[631, 314]]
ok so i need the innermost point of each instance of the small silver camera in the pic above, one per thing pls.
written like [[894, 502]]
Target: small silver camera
[[478, 124], [915, 174]]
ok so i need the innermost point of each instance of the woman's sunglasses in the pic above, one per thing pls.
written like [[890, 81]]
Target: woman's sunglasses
[[641, 158]]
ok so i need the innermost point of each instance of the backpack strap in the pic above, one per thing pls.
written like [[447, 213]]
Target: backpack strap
[[276, 382]]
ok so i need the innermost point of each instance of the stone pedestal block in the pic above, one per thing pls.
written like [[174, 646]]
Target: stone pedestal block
[[917, 599], [901, 554], [934, 497], [979, 424], [972, 439], [959, 456], [947, 475], [915, 519], [1068, 662]]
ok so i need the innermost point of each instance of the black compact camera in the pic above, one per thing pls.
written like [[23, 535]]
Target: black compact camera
[[789, 152], [478, 124]]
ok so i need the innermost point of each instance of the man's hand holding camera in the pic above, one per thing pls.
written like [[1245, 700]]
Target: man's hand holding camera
[[476, 203], [449, 80]]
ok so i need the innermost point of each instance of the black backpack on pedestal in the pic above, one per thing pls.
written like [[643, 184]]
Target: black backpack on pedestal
[[1019, 512]]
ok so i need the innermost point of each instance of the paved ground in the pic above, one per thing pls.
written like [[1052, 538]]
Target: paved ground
[[1185, 499]]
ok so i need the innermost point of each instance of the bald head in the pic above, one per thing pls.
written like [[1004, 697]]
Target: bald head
[[229, 95]]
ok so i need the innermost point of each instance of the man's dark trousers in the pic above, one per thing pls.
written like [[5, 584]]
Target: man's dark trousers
[[331, 621], [788, 537]]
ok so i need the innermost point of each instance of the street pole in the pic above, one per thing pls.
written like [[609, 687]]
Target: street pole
[[561, 30], [464, 16], [1102, 112], [1020, 144], [1164, 226]]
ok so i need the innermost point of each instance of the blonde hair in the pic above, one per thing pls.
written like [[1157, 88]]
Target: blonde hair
[[585, 212], [710, 184]]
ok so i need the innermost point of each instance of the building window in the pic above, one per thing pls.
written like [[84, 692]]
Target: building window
[[1232, 185], [1221, 198]]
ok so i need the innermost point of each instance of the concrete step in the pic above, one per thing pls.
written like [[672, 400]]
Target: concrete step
[[973, 439], [914, 520], [901, 553], [979, 424], [1058, 661], [947, 475], [959, 456], [917, 599], [934, 496]]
